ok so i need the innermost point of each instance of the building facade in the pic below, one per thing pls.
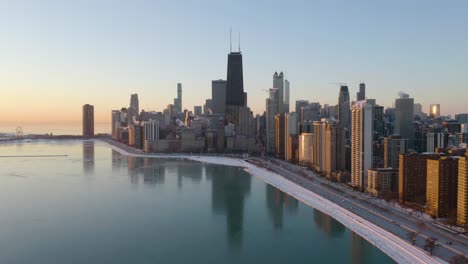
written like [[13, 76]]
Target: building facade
[[361, 143], [88, 121]]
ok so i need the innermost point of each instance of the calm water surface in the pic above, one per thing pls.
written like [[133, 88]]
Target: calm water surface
[[97, 206]]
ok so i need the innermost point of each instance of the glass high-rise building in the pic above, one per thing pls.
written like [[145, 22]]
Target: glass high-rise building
[[235, 80], [404, 114]]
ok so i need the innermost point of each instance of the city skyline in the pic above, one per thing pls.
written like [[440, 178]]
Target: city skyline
[[121, 50]]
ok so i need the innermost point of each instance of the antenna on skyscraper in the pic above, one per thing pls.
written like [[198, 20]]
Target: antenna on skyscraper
[[230, 39], [239, 41]]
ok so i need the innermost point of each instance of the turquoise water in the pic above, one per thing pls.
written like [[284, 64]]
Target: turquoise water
[[97, 206]]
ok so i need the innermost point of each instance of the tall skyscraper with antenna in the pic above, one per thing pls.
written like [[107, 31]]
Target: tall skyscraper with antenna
[[235, 79]]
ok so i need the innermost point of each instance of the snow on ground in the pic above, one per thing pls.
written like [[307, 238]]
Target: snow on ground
[[395, 247]]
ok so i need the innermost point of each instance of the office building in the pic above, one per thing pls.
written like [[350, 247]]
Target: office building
[[394, 145], [310, 112], [344, 114], [287, 86], [412, 177], [361, 143], [361, 95], [299, 105], [418, 110], [404, 108], [382, 181], [434, 110], [218, 96], [178, 100], [271, 111], [462, 191], [235, 80], [88, 121], [208, 107], [135, 103], [278, 83], [441, 194]]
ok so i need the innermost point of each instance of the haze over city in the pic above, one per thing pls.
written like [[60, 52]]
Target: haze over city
[[56, 56]]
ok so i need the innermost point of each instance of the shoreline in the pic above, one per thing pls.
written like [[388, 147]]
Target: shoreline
[[396, 248]]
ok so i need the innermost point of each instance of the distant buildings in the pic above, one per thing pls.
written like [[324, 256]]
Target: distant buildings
[[361, 143], [404, 107], [286, 95], [418, 110], [218, 96], [434, 110], [135, 103], [88, 120], [394, 145], [361, 95], [197, 110], [344, 115], [462, 118], [178, 100], [271, 110]]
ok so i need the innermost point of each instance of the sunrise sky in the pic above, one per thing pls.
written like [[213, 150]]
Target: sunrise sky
[[56, 56]]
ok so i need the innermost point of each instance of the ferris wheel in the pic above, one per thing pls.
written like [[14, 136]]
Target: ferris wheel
[[19, 132]]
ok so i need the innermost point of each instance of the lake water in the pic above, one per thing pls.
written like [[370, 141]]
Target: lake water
[[97, 206]]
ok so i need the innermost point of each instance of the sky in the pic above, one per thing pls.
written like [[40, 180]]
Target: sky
[[56, 56]]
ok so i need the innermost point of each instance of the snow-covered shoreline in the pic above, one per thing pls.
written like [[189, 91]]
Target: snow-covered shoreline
[[398, 249]]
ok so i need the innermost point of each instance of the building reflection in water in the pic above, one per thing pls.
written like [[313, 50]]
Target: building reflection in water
[[277, 202], [358, 245], [153, 171], [189, 170], [230, 186], [88, 157], [331, 227], [116, 161]]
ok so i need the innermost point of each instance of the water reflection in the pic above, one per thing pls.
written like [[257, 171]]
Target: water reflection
[[193, 171], [277, 201], [230, 186], [331, 227], [358, 249], [88, 157]]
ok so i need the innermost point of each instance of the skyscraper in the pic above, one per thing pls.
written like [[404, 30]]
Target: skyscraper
[[278, 83], [361, 143], [280, 142], [286, 95], [218, 96], [178, 100], [344, 115], [404, 108], [271, 111], [135, 103], [235, 80], [88, 120], [361, 95]]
